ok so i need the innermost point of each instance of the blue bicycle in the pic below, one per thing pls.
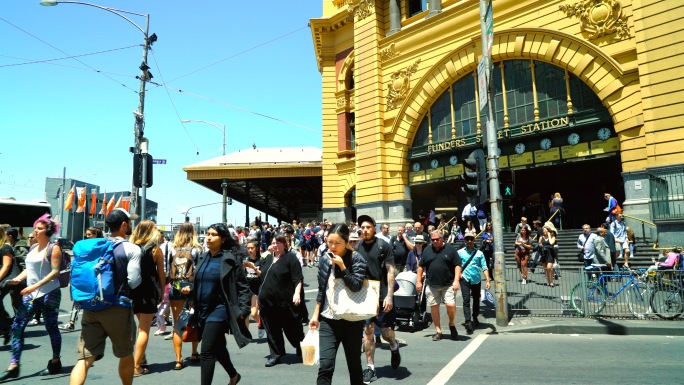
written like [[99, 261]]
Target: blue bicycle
[[591, 297]]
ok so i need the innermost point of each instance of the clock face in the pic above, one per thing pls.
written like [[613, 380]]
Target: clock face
[[434, 163], [573, 139], [604, 133], [519, 148], [453, 160], [545, 144], [416, 167]]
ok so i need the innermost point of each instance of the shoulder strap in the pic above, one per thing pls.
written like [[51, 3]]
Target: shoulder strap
[[472, 255]]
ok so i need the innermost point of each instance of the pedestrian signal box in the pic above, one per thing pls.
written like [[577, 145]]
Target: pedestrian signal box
[[507, 190]]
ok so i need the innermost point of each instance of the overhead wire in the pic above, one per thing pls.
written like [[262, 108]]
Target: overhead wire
[[61, 58]]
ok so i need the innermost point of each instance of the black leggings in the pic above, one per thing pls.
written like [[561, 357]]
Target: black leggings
[[214, 349]]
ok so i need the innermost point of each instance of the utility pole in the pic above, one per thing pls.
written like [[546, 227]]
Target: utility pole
[[484, 70]]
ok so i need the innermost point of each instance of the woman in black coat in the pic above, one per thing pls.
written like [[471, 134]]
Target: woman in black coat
[[219, 270]]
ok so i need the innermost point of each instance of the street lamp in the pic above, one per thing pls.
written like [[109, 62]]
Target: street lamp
[[224, 183], [145, 75]]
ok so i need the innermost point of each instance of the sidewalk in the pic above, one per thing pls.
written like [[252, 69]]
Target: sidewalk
[[566, 325]]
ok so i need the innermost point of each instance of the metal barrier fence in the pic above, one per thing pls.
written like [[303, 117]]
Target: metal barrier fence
[[577, 293]]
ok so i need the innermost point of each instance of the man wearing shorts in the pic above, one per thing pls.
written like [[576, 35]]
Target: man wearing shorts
[[619, 230], [380, 266], [442, 268], [472, 263], [115, 322]]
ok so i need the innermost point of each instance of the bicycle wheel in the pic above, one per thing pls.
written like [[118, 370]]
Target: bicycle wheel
[[666, 301], [587, 299], [639, 300]]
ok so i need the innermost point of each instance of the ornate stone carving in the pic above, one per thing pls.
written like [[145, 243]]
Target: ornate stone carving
[[599, 18], [361, 8], [341, 102], [388, 53], [399, 85], [339, 3]]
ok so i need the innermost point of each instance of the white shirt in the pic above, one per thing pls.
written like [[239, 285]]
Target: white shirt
[[38, 265]]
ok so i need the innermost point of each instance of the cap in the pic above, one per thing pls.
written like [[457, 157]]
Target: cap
[[469, 234], [119, 215], [365, 218], [419, 239], [353, 236]]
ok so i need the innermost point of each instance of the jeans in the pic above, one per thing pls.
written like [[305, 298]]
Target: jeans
[[331, 333], [468, 289], [214, 349]]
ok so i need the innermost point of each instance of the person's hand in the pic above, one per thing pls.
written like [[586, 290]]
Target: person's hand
[[388, 303], [29, 289], [13, 282], [455, 285], [313, 324], [419, 286], [296, 299], [488, 285], [337, 260]]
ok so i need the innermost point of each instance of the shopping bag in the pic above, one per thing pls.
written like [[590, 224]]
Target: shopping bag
[[310, 349], [353, 306], [486, 297]]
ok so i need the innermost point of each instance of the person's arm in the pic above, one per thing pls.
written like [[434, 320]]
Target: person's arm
[[158, 258], [353, 276], [458, 273], [389, 299], [419, 279], [313, 323], [133, 267], [6, 265], [55, 262]]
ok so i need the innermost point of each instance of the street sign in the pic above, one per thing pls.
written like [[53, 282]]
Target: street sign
[[158, 161], [482, 81], [489, 28]]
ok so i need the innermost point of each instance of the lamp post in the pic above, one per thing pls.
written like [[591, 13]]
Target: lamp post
[[145, 75], [224, 182]]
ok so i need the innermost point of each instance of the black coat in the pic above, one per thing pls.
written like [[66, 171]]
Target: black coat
[[236, 292]]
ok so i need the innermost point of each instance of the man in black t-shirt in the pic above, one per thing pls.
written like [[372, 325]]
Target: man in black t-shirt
[[380, 266], [442, 265], [399, 248]]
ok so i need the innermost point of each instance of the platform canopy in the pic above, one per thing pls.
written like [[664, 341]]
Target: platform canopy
[[283, 182]]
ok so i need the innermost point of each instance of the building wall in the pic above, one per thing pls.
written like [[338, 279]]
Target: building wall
[[632, 68]]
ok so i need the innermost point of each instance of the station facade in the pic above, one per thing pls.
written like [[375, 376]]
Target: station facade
[[588, 99]]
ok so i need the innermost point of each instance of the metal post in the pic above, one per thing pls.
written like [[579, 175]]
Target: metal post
[[61, 205], [494, 193], [224, 187], [139, 128], [144, 143]]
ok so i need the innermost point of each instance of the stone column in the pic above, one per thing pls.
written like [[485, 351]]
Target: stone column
[[395, 17]]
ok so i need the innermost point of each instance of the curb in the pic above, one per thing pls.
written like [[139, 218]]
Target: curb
[[597, 326]]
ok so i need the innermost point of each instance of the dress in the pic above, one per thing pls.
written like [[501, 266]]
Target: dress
[[147, 295], [547, 251]]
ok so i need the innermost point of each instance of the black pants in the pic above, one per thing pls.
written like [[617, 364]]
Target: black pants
[[330, 334], [214, 349], [468, 289], [279, 321]]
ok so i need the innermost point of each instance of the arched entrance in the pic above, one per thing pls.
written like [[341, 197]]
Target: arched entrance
[[554, 135]]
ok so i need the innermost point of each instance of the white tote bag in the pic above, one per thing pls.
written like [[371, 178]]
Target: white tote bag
[[353, 306]]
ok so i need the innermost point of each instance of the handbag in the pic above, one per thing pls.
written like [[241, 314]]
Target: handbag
[[186, 326], [350, 305]]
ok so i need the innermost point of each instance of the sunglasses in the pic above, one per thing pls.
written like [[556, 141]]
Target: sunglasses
[[435, 239]]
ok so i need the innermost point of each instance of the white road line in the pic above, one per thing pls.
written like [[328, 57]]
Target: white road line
[[311, 291], [448, 371]]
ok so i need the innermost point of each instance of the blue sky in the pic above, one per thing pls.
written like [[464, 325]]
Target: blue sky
[[66, 113]]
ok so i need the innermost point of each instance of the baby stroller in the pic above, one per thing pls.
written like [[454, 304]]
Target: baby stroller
[[409, 305]]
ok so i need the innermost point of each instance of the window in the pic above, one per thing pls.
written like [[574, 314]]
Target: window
[[441, 118], [352, 132], [551, 94], [416, 7], [667, 193]]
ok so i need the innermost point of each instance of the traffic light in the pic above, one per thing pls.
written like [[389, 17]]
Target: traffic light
[[137, 170], [507, 190], [475, 177]]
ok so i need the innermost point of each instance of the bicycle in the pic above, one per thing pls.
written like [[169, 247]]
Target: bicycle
[[591, 297], [667, 300]]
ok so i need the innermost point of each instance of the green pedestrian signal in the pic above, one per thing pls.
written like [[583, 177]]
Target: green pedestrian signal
[[507, 190]]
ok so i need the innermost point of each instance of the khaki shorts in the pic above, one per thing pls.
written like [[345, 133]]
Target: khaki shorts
[[115, 323], [440, 294]]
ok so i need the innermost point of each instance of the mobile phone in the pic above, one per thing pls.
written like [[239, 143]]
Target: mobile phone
[[186, 284], [330, 255]]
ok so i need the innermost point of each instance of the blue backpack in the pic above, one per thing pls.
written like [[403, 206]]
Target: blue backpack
[[96, 283]]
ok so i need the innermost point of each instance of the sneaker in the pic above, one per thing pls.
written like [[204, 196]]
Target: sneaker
[[169, 337], [524, 282], [67, 326], [33, 322], [396, 358], [369, 376], [262, 333], [159, 332]]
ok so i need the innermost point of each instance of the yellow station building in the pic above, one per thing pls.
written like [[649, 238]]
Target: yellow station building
[[588, 99]]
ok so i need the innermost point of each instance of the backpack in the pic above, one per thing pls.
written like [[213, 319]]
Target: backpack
[[64, 265], [96, 282], [181, 265]]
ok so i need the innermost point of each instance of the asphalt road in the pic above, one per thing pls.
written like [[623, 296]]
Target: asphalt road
[[486, 357]]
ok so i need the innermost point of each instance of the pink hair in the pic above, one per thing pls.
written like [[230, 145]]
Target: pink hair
[[47, 220]]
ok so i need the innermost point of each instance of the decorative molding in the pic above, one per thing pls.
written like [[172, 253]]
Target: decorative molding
[[341, 102], [361, 8], [339, 3], [388, 53], [399, 85], [599, 18]]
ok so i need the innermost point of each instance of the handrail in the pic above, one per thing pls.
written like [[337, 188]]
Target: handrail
[[655, 247], [640, 220]]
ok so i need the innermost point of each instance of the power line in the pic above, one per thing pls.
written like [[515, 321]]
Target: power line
[[61, 58]]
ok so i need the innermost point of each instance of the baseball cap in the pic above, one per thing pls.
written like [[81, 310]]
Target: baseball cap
[[365, 218], [119, 215], [469, 234], [353, 236]]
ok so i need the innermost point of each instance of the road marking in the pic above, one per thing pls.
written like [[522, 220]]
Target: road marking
[[448, 371], [311, 291]]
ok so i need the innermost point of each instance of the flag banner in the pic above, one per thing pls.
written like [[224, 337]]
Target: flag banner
[[81, 193], [110, 205], [118, 203], [103, 210], [69, 202], [93, 201], [126, 204]]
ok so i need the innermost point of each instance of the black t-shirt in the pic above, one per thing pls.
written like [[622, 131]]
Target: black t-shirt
[[377, 254], [399, 249], [278, 280], [6, 249], [440, 265]]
